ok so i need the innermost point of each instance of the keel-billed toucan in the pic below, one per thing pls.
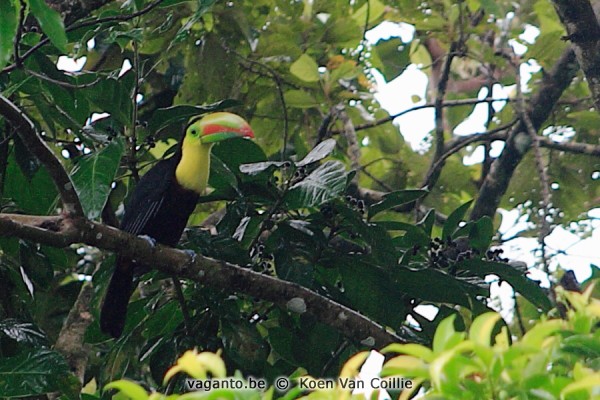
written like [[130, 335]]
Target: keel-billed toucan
[[163, 200]]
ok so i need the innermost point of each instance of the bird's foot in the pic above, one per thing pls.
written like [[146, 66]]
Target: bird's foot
[[192, 255], [149, 239]]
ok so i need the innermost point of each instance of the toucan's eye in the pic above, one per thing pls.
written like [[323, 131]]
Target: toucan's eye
[[194, 132]]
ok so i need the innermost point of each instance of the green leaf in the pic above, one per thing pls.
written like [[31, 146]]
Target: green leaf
[[8, 29], [51, 23], [391, 57], [432, 285], [320, 151], [35, 373], [323, 184], [395, 199], [371, 292], [528, 288], [454, 219], [481, 233], [129, 389], [305, 68], [445, 335], [94, 175], [257, 168], [32, 196], [164, 320], [221, 177], [582, 345], [23, 332], [299, 99], [482, 328], [28, 163], [372, 8], [164, 117]]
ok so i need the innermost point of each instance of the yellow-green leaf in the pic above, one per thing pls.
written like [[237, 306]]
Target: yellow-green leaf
[[482, 327], [588, 383], [411, 349], [374, 8], [129, 389], [305, 68], [299, 99]]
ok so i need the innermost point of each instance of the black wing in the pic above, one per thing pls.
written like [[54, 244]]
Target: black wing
[[148, 196]]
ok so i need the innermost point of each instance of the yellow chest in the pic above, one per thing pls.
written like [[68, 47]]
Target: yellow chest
[[194, 168]]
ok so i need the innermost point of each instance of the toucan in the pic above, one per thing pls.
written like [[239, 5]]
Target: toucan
[[163, 200]]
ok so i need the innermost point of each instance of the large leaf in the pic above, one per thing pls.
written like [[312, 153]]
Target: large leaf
[[528, 288], [28, 163], [320, 151], [323, 184], [305, 68], [94, 176], [23, 332], [481, 233], [371, 292], [164, 117], [395, 199], [221, 176], [257, 168], [392, 57], [8, 29], [51, 23], [297, 98], [35, 373], [33, 196], [454, 219]]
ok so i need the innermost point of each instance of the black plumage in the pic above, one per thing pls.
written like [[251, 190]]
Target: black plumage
[[159, 208]]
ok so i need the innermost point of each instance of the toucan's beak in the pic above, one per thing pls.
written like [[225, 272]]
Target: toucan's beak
[[222, 126]]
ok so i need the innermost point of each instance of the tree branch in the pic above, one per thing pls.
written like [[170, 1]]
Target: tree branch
[[494, 186], [447, 103], [570, 147], [31, 139], [64, 231], [583, 30]]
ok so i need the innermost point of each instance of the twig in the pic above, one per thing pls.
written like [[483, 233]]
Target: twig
[[518, 315], [29, 136], [447, 103], [278, 84], [60, 83], [545, 228], [17, 39], [461, 142], [353, 146]]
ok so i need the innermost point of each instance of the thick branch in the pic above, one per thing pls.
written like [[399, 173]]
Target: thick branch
[[496, 183], [583, 31], [27, 132], [61, 232]]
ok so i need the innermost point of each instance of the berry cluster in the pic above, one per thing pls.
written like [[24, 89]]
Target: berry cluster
[[445, 253], [262, 262], [357, 204], [494, 255]]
